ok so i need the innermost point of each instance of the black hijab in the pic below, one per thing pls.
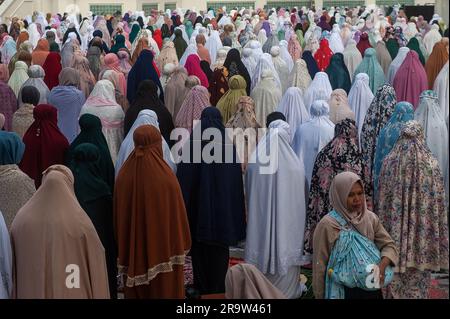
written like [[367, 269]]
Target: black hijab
[[141, 22], [110, 26], [234, 65], [147, 98], [30, 95], [213, 192], [206, 68], [165, 31], [273, 117], [179, 43], [74, 30]]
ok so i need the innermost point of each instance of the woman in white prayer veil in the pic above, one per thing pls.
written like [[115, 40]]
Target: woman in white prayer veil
[[159, 22], [196, 31], [359, 99], [441, 87], [42, 21], [234, 42], [346, 34], [85, 34], [6, 282], [265, 63], [144, 33], [221, 57], [191, 49], [320, 88], [257, 51], [267, 96], [275, 231], [262, 37], [396, 64], [68, 49], [312, 44], [294, 109], [213, 44], [312, 136], [310, 30], [285, 55], [429, 115], [152, 43], [204, 31], [281, 68], [299, 76], [248, 61], [34, 34], [410, 31], [430, 39], [336, 44], [352, 57], [36, 78], [145, 117]]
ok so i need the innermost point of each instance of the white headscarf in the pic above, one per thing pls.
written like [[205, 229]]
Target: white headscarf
[[359, 99], [312, 136], [191, 49], [34, 34], [213, 44], [284, 53], [441, 87], [248, 61], [257, 51], [396, 64], [294, 109], [6, 282], [266, 95], [18, 77], [410, 31], [352, 57], [336, 44], [262, 37], [145, 117], [299, 76], [281, 67], [320, 88], [429, 115], [275, 230], [36, 78], [8, 49], [144, 33], [42, 21], [431, 38], [265, 63]]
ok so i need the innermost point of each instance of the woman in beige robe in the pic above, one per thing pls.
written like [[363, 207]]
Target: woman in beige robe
[[57, 252], [351, 204]]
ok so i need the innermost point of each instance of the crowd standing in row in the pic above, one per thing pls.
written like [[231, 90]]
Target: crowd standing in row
[[356, 99]]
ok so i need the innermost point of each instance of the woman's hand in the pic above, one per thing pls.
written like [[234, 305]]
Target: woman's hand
[[385, 261]]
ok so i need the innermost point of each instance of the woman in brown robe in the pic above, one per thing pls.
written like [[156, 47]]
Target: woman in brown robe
[[150, 220]]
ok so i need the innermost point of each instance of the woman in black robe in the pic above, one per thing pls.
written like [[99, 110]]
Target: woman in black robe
[[95, 197], [214, 197], [147, 98]]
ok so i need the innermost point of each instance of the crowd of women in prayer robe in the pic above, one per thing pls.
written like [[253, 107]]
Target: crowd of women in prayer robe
[[340, 121]]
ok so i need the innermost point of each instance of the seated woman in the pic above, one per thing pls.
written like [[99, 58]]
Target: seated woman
[[348, 240]]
